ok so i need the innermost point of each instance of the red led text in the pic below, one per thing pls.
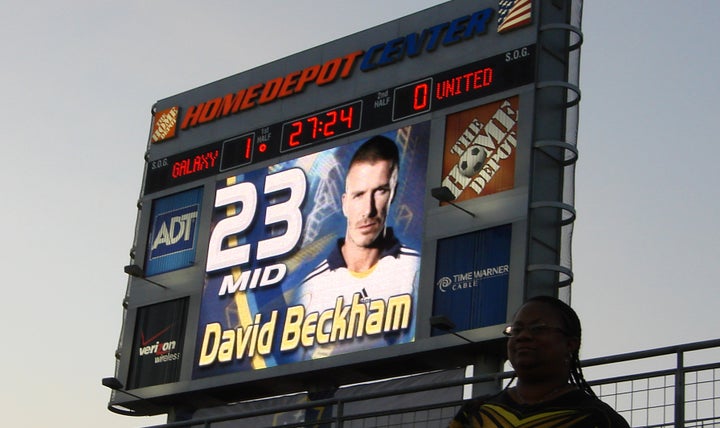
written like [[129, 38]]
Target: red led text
[[465, 83], [195, 164]]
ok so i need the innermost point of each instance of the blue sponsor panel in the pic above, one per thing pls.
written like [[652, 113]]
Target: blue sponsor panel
[[172, 241], [471, 278]]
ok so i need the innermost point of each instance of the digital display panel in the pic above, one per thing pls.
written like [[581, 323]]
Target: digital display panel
[[286, 275], [238, 151], [412, 99], [325, 125]]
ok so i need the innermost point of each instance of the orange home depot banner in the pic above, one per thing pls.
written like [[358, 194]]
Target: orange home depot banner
[[480, 146]]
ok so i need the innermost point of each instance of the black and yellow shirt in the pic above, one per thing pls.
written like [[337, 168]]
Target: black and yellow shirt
[[573, 409]]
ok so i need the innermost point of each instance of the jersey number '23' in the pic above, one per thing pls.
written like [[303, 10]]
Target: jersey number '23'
[[245, 195]]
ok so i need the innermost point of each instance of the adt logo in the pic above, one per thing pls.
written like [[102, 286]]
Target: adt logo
[[174, 231]]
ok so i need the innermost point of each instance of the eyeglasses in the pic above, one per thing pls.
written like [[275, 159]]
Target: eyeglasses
[[534, 330]]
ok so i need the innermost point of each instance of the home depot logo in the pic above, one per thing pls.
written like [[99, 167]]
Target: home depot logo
[[164, 124]]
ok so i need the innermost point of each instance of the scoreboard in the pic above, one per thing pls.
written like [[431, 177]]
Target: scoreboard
[[374, 110], [304, 221]]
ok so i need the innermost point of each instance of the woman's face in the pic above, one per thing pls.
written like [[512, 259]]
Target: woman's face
[[539, 347]]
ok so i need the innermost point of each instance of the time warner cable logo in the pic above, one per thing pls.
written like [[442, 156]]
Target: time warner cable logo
[[471, 279]]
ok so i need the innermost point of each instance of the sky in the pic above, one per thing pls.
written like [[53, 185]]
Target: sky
[[78, 79]]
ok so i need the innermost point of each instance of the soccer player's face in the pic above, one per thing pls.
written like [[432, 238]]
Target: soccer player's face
[[367, 197]]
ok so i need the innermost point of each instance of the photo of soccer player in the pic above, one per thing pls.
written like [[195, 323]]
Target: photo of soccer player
[[370, 262]]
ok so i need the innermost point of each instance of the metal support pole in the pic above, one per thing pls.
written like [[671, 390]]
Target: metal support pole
[[680, 391]]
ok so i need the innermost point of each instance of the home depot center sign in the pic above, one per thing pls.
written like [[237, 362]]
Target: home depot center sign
[[458, 30]]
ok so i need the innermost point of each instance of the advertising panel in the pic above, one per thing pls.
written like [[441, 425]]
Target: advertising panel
[[172, 240], [158, 343], [471, 277], [480, 146], [316, 256]]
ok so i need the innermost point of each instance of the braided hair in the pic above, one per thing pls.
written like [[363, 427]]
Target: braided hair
[[571, 324]]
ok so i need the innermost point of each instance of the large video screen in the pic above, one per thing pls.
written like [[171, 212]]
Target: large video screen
[[315, 257]]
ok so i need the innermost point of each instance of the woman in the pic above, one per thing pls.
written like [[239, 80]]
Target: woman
[[543, 348]]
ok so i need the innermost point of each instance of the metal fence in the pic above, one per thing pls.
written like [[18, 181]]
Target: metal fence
[[683, 390], [676, 386]]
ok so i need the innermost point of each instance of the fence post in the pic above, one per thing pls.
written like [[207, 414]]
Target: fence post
[[680, 391]]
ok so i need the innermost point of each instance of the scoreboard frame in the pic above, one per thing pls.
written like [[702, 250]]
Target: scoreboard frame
[[429, 70]]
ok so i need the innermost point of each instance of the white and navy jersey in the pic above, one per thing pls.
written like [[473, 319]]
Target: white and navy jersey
[[394, 278]]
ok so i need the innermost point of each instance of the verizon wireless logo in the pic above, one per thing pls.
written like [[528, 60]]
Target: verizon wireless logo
[[161, 350]]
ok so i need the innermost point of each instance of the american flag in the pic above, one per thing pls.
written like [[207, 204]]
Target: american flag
[[513, 14]]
